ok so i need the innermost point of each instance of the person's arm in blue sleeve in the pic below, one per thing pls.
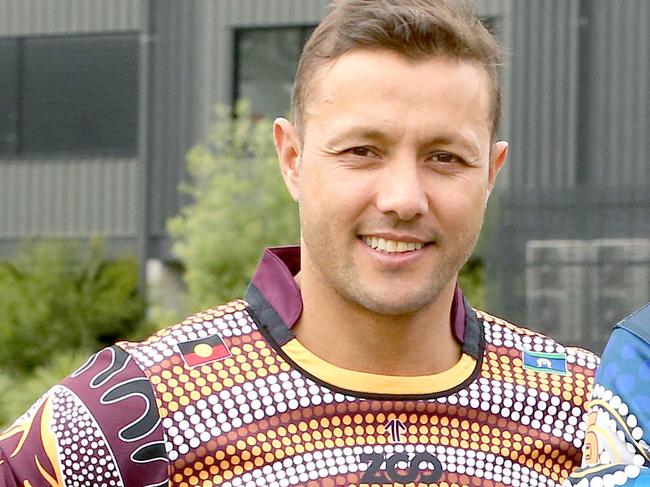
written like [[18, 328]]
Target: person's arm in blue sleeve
[[617, 443]]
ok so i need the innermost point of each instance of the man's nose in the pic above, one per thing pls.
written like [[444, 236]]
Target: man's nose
[[401, 192]]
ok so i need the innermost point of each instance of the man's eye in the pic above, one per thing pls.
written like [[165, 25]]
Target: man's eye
[[446, 158], [360, 151]]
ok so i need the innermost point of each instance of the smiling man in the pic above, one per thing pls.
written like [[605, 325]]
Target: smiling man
[[354, 358], [392, 169]]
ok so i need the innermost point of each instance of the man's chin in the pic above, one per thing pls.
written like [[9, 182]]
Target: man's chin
[[395, 304]]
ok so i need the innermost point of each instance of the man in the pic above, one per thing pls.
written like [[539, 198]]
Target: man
[[354, 359], [616, 450]]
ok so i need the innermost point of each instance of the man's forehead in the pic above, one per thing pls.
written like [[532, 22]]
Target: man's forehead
[[330, 80], [368, 80], [375, 61]]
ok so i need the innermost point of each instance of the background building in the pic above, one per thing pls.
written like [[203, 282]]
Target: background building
[[101, 100]]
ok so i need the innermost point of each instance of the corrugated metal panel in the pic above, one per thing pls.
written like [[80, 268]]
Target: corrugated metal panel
[[493, 8], [544, 74], [617, 149], [68, 198], [40, 17], [581, 70], [581, 119], [177, 68]]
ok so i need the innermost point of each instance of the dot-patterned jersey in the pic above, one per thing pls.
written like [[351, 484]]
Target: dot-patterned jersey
[[230, 397], [616, 450]]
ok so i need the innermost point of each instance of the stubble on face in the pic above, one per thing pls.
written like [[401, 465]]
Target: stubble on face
[[341, 273]]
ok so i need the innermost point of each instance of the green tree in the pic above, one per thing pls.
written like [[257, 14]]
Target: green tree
[[239, 205]]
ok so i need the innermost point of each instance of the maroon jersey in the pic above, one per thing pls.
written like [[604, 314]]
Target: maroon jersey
[[230, 397]]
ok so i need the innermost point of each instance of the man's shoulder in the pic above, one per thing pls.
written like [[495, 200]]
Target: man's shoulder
[[534, 345], [203, 337]]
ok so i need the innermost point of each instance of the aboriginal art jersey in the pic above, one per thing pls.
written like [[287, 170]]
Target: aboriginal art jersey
[[229, 397], [616, 450]]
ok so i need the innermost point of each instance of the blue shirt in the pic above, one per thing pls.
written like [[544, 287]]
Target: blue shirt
[[616, 450]]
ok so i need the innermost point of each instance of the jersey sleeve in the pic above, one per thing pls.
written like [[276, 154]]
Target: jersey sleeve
[[617, 450], [99, 426]]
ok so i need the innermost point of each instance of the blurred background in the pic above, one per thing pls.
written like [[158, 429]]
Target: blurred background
[[129, 194]]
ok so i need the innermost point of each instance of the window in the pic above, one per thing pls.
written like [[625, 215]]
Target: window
[[69, 95], [266, 60]]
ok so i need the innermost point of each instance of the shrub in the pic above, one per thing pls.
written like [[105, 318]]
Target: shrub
[[61, 296], [239, 205], [471, 281]]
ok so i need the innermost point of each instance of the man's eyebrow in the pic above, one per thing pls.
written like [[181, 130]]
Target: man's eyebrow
[[450, 140], [367, 133]]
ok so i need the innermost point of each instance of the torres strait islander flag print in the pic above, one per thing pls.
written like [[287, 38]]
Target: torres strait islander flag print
[[203, 350]]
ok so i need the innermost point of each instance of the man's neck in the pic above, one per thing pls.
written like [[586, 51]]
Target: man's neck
[[352, 337]]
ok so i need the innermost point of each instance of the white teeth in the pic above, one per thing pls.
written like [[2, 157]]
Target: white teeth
[[391, 246]]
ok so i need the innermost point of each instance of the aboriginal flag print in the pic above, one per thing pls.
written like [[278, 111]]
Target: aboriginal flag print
[[203, 350]]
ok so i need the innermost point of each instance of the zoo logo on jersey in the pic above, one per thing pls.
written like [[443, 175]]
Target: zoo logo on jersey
[[400, 467]]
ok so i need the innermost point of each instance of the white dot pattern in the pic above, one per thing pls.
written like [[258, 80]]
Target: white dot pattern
[[163, 346], [85, 456], [226, 414], [502, 334]]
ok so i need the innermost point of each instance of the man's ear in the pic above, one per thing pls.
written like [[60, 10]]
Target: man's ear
[[287, 147], [498, 156]]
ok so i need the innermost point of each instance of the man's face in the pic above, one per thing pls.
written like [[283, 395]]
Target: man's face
[[392, 176]]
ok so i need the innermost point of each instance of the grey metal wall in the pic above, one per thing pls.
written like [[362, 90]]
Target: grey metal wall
[[544, 64], [36, 17], [581, 73], [175, 100], [579, 166], [67, 198], [614, 147]]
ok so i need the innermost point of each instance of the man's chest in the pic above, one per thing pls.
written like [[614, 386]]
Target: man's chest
[[293, 432]]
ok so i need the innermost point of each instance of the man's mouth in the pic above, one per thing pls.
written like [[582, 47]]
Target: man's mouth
[[391, 246]]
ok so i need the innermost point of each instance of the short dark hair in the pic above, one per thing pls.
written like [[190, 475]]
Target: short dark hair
[[415, 29]]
